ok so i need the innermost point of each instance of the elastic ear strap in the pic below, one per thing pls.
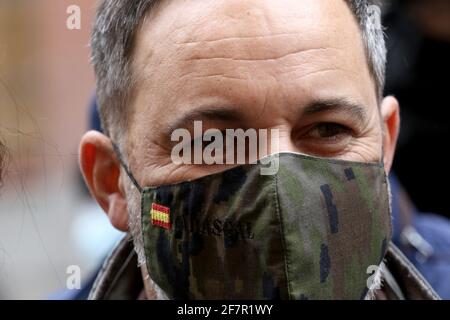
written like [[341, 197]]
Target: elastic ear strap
[[125, 167]]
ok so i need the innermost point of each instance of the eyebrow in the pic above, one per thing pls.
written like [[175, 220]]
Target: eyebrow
[[341, 105], [229, 114], [221, 113]]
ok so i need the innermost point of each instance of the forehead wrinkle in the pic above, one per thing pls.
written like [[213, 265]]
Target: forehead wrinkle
[[196, 29], [299, 64], [270, 46], [189, 37], [227, 38], [275, 57]]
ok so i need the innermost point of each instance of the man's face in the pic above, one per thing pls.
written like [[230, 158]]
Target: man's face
[[296, 66]]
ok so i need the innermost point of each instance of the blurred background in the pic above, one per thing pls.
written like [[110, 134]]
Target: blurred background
[[48, 222], [418, 71]]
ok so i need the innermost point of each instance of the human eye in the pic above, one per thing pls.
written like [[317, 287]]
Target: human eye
[[325, 139]]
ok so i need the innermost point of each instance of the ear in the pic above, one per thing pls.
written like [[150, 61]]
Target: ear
[[101, 171], [390, 115]]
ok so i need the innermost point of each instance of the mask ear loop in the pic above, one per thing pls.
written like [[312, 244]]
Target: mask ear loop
[[125, 167], [382, 156]]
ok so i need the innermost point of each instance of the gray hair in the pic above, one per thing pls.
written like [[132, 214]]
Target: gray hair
[[112, 45]]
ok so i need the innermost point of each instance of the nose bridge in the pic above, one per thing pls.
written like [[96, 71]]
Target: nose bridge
[[280, 140], [278, 118]]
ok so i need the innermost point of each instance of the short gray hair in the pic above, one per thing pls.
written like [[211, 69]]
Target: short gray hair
[[112, 44]]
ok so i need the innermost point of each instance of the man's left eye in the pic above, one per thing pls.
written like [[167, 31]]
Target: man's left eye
[[331, 131]]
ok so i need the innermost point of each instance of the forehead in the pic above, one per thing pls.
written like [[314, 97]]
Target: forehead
[[203, 20], [191, 49]]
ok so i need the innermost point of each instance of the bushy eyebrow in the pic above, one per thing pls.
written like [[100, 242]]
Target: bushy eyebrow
[[204, 113], [341, 105]]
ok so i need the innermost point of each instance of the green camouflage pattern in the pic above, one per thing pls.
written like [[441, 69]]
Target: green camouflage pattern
[[308, 232]]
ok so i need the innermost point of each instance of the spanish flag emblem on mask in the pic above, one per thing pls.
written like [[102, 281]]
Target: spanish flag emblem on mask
[[160, 216]]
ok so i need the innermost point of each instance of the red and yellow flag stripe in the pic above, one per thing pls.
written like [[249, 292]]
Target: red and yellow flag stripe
[[160, 216]]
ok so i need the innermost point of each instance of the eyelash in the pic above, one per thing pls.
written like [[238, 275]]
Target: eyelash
[[328, 146], [330, 126]]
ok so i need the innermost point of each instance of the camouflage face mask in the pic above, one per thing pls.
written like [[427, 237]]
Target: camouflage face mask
[[310, 231]]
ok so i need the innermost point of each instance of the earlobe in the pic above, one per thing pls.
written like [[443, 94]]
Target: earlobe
[[390, 116], [101, 172]]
